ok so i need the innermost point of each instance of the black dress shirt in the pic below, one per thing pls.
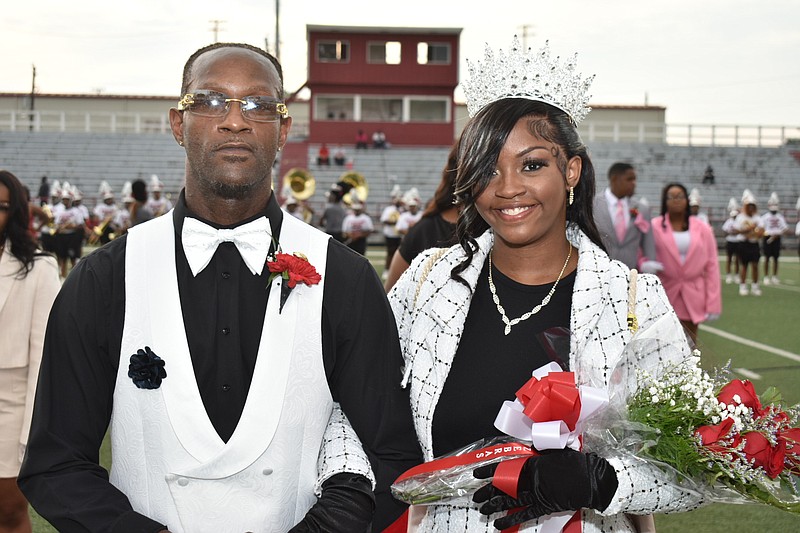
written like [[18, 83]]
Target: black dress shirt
[[223, 311]]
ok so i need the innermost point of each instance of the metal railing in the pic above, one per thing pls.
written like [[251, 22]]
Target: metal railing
[[86, 122], [591, 131]]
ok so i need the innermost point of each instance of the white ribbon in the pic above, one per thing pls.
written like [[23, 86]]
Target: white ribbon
[[552, 435], [200, 241], [555, 434]]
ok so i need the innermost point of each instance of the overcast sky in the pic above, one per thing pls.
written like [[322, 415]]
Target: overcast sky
[[706, 61]]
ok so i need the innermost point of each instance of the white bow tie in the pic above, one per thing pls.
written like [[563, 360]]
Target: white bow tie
[[200, 241]]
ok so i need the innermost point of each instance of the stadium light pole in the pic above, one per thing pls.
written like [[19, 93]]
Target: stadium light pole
[[277, 30], [33, 92]]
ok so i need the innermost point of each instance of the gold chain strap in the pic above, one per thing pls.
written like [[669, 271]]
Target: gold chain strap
[[633, 322], [426, 270]]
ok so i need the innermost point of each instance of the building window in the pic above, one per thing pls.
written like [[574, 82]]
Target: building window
[[428, 110], [333, 108], [433, 53], [333, 51], [383, 52], [372, 108], [381, 109]]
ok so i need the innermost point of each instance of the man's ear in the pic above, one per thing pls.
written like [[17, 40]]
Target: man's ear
[[176, 124]]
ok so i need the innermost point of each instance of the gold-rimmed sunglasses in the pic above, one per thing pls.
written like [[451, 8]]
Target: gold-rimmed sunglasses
[[207, 103]]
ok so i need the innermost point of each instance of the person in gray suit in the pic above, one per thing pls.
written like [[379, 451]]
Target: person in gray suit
[[624, 221]]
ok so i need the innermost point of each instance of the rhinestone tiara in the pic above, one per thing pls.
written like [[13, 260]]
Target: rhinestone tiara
[[525, 74]]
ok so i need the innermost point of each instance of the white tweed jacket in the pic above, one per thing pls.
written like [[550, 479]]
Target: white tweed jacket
[[430, 318]]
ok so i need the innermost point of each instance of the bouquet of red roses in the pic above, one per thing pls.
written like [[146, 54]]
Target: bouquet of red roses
[[711, 435], [710, 432]]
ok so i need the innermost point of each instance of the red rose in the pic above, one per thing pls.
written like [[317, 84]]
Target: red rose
[[778, 417], [747, 395], [790, 441], [710, 436], [758, 449]]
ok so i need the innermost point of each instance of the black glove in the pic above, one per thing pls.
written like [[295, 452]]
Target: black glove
[[558, 480], [347, 504]]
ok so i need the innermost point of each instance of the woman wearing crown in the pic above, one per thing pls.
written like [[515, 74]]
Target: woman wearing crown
[[529, 261]]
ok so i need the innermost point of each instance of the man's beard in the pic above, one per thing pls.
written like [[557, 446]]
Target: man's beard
[[233, 191], [236, 190]]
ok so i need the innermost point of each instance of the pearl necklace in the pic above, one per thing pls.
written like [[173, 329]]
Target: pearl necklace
[[526, 316]]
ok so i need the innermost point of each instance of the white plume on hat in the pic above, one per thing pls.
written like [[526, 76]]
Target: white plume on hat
[[396, 192], [55, 188], [748, 197], [732, 205], [356, 202], [797, 205], [694, 197], [77, 195], [773, 202], [105, 190], [66, 190], [411, 197], [127, 192], [155, 183]]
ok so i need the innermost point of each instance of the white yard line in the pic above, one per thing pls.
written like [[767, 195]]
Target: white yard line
[[784, 286], [753, 344], [749, 374]]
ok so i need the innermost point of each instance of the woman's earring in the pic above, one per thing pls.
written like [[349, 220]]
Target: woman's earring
[[180, 143], [571, 195]]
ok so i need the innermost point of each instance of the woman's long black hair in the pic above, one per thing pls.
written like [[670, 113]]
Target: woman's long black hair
[[23, 246], [686, 213], [443, 197], [481, 142]]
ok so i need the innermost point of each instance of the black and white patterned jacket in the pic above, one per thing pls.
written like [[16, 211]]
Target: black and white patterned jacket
[[431, 315]]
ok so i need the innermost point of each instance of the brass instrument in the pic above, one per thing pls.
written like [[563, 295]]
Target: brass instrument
[[51, 220], [300, 183], [100, 230], [357, 184]]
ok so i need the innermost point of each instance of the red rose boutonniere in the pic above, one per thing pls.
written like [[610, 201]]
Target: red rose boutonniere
[[294, 269], [634, 212]]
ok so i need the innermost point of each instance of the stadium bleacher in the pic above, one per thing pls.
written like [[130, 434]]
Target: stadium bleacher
[[86, 159]]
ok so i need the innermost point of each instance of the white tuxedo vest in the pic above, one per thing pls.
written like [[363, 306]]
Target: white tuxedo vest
[[166, 455]]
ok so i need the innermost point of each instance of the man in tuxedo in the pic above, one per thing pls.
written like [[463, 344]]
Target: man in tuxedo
[[237, 400], [624, 221]]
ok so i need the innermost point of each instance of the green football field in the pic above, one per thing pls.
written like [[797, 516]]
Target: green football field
[[760, 336]]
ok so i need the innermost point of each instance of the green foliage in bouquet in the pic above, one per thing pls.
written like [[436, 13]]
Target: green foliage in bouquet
[[719, 435]]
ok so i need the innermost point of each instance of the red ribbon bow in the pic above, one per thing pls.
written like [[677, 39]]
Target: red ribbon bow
[[554, 397]]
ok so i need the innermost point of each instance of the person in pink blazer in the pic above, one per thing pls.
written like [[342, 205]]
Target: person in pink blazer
[[686, 247]]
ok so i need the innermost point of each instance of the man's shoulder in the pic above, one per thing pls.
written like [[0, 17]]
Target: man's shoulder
[[344, 264], [106, 262]]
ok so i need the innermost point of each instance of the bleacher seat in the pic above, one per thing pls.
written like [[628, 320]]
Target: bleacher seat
[[86, 159]]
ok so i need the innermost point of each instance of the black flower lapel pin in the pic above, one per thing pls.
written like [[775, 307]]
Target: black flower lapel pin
[[146, 369]]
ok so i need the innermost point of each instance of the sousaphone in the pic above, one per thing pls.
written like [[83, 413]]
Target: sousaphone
[[299, 183], [355, 185]]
